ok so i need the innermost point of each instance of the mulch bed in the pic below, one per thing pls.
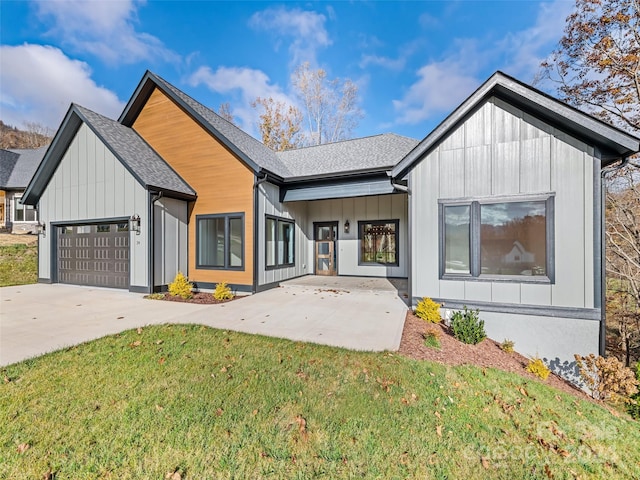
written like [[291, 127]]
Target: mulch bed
[[201, 298], [487, 354]]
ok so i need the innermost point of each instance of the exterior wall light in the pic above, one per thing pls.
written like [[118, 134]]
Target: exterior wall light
[[134, 223], [41, 229], [346, 226]]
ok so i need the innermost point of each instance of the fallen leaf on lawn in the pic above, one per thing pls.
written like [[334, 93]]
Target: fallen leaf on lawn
[[175, 475], [139, 331], [414, 396], [6, 379], [485, 462], [404, 400], [159, 342], [23, 447], [48, 475], [437, 414], [219, 412], [302, 426], [548, 472], [523, 391], [564, 453], [254, 413], [161, 361], [159, 408], [137, 343], [439, 430], [223, 369], [183, 342]]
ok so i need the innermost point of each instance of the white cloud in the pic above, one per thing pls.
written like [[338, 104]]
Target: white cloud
[[443, 84], [384, 62], [105, 29], [246, 84], [307, 29], [39, 83], [440, 88]]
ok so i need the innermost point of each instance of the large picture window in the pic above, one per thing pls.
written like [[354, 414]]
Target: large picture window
[[511, 238], [378, 242], [220, 241], [23, 213], [279, 242]]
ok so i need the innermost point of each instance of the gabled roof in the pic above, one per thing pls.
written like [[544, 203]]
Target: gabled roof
[[147, 167], [252, 152], [612, 142], [375, 153], [17, 166]]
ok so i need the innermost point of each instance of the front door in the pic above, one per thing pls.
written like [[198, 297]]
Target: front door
[[325, 236]]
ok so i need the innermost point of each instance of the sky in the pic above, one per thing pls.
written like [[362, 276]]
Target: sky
[[413, 62]]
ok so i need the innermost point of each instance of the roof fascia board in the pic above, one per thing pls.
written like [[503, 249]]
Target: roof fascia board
[[511, 90], [337, 175], [67, 131], [172, 193], [141, 95]]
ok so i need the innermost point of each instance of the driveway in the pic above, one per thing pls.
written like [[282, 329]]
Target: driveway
[[362, 314]]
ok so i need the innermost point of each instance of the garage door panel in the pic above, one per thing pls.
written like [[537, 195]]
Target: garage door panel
[[96, 255]]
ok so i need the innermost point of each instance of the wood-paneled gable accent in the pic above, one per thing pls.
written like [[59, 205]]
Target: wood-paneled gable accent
[[223, 183]]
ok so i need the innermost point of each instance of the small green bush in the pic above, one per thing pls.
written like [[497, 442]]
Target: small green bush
[[222, 292], [432, 338], [155, 296], [180, 287], [507, 346], [538, 368], [428, 310], [467, 327]]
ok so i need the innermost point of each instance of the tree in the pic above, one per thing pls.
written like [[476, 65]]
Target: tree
[[596, 67], [330, 107], [597, 62], [225, 112], [279, 124]]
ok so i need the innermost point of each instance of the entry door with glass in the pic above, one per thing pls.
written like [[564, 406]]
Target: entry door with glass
[[326, 236]]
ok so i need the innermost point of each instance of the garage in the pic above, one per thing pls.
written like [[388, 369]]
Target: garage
[[94, 254]]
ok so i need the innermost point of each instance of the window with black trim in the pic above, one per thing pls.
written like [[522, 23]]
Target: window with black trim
[[378, 242], [220, 241], [23, 213], [488, 238], [279, 242]]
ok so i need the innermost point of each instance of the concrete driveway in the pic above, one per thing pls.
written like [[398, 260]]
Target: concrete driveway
[[356, 314]]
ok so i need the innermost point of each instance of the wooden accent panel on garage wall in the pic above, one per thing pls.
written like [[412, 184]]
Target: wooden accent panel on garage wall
[[224, 184]]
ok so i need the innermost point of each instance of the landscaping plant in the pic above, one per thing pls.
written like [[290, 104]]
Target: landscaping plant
[[467, 327], [432, 338], [538, 368], [507, 346], [181, 287], [222, 292], [607, 378], [428, 310]]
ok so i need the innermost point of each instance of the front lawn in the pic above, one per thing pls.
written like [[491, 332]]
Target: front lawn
[[18, 260], [193, 402]]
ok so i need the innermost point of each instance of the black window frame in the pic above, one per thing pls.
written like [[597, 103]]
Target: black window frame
[[227, 261], [396, 222], [278, 263], [475, 239]]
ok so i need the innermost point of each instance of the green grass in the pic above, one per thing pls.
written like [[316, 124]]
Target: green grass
[[215, 404], [18, 264]]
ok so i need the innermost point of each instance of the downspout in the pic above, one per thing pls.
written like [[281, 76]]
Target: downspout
[[407, 190], [154, 197], [602, 346], [256, 205]]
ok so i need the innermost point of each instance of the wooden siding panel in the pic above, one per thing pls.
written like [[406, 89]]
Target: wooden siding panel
[[223, 183]]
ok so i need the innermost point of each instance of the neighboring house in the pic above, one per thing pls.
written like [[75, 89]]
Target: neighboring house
[[171, 186], [17, 166]]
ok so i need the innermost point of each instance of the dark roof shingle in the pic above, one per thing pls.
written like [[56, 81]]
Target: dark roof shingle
[[17, 166]]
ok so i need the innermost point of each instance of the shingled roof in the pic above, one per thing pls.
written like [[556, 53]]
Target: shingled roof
[[375, 153], [135, 154], [17, 166]]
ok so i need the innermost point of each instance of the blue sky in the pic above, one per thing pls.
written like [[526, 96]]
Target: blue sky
[[413, 62]]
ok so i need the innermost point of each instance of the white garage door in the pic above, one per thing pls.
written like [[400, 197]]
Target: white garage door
[[95, 254]]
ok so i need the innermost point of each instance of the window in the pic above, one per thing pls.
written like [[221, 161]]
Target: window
[[23, 213], [512, 238], [378, 242], [279, 242], [220, 241]]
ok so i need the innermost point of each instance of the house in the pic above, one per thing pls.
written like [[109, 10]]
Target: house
[[17, 166], [171, 186]]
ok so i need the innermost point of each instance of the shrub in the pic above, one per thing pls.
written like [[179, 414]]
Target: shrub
[[467, 327], [606, 378], [634, 402], [428, 310], [538, 368], [507, 346], [222, 292], [180, 287], [155, 296], [432, 338]]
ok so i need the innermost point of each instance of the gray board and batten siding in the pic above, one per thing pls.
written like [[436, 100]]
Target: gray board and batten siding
[[500, 151]]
